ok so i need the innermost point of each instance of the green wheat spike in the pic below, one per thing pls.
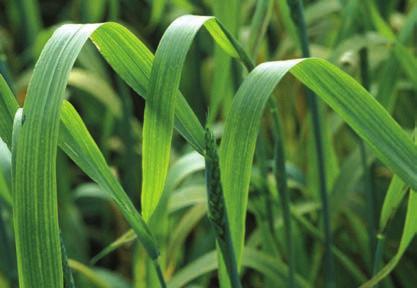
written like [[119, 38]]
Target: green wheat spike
[[216, 208]]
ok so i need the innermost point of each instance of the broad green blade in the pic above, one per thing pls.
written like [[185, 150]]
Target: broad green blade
[[350, 100], [161, 99], [34, 193], [160, 107]]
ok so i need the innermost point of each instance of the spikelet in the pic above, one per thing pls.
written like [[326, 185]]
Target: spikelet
[[216, 209]]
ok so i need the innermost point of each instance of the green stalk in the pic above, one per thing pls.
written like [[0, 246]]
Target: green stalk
[[160, 274], [369, 192], [379, 253], [217, 210], [281, 180], [297, 14]]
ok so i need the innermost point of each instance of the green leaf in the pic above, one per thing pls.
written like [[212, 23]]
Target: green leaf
[[393, 198], [349, 99], [36, 217], [8, 107], [160, 107], [161, 98], [35, 198]]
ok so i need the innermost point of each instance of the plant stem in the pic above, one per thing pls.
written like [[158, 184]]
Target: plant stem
[[160, 274], [281, 180], [378, 253], [217, 210], [369, 192], [297, 14]]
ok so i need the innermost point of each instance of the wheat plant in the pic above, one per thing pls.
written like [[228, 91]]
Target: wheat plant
[[298, 181]]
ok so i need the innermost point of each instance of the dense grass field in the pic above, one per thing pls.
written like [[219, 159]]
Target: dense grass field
[[208, 143]]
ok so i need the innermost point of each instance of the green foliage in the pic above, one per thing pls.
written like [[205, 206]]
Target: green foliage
[[148, 200]]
